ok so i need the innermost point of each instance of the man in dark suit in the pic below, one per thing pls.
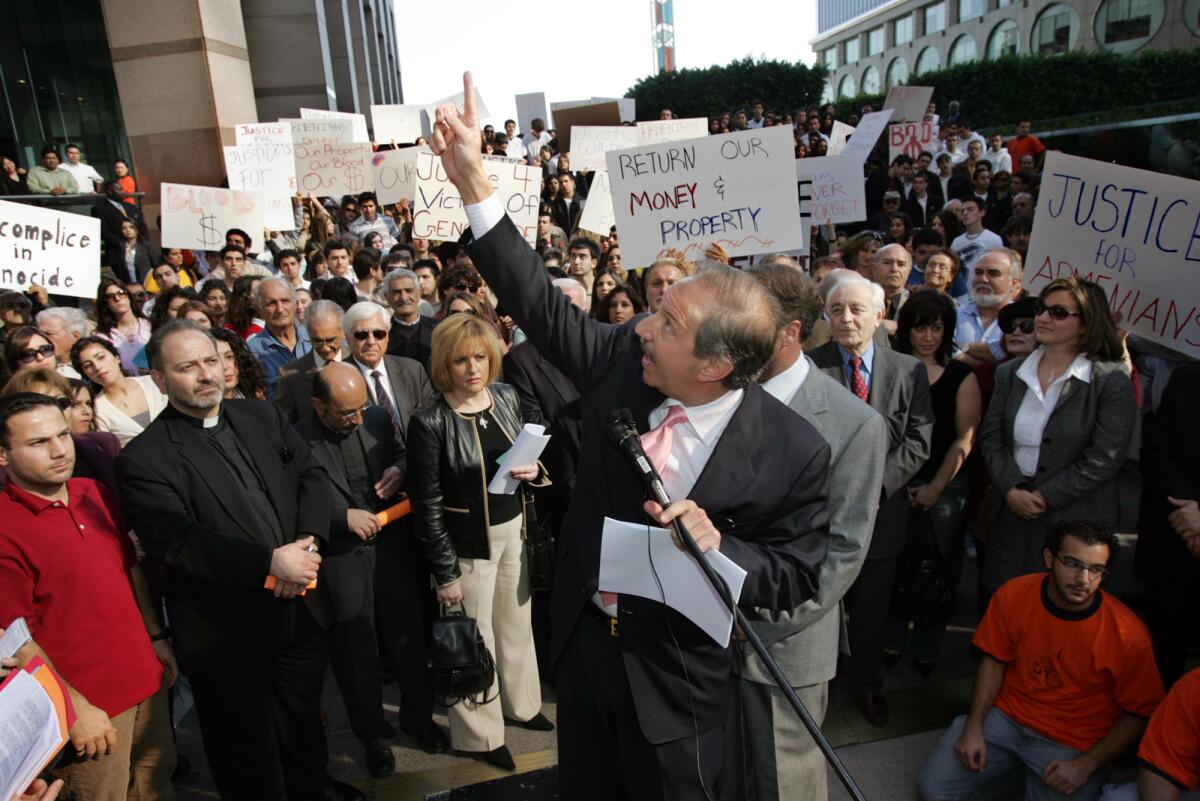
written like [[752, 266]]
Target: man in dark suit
[[112, 210], [226, 496], [567, 205], [293, 391], [643, 694], [920, 205], [411, 334], [896, 386]]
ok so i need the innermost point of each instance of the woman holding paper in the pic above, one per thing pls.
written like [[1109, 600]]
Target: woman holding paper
[[475, 540]]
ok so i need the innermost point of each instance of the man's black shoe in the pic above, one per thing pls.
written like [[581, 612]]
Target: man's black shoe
[[340, 791], [874, 708], [381, 763], [430, 738]]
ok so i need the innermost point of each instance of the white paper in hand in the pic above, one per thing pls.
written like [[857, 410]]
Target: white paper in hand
[[526, 450], [16, 636], [626, 567]]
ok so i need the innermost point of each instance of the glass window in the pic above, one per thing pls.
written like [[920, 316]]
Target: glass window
[[1004, 41], [827, 93], [870, 81], [852, 50], [963, 51], [969, 9], [846, 87], [935, 18], [897, 72], [830, 59], [1126, 25], [904, 29], [1003, 3], [875, 41], [928, 61], [1055, 30], [1191, 15]]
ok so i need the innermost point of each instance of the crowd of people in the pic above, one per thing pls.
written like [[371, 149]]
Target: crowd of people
[[215, 436]]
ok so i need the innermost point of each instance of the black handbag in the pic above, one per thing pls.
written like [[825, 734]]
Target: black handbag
[[922, 592], [539, 550], [460, 665]]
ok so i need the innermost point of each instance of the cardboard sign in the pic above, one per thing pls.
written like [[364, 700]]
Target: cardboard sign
[[910, 139], [909, 102], [530, 107], [597, 214], [839, 135], [832, 189], [438, 208], [263, 161], [1136, 233], [54, 249], [867, 134], [659, 131], [395, 173], [567, 118], [358, 122], [589, 143], [399, 124], [481, 110], [737, 189], [333, 170], [197, 217], [263, 133], [321, 132], [627, 106]]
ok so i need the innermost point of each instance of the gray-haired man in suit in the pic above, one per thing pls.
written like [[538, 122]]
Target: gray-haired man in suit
[[769, 755]]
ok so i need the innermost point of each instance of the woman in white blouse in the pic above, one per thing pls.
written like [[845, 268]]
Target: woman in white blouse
[[1057, 429], [124, 406], [120, 321]]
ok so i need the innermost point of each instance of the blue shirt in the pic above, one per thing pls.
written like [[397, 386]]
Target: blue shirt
[[969, 328], [958, 287], [273, 354], [868, 363]]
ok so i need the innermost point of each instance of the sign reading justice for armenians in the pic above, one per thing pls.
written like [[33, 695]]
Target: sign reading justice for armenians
[[1136, 233], [197, 217], [438, 208], [738, 190], [54, 249]]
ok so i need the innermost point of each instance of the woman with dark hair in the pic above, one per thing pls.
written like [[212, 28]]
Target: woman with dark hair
[[339, 290], [244, 376], [29, 347], [1057, 429], [946, 223], [199, 313], [167, 305], [214, 295], [139, 256], [124, 405], [938, 491], [606, 281], [124, 176], [900, 228], [242, 316], [373, 240], [858, 253], [466, 303], [13, 179], [120, 321], [620, 306]]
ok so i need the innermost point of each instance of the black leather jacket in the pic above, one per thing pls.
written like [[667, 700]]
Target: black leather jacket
[[447, 481]]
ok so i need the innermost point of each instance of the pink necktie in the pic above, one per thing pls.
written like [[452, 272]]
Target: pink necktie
[[657, 444]]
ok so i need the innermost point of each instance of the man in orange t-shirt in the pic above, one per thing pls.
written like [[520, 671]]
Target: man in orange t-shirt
[[1026, 144], [1066, 683]]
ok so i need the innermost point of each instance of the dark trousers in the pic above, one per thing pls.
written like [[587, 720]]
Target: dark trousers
[[354, 657], [602, 753], [404, 606], [259, 723], [1171, 606], [867, 605]]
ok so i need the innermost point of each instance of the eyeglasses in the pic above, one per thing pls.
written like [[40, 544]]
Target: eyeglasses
[[1055, 312], [463, 286], [1077, 567], [376, 333], [31, 355], [353, 413], [120, 293], [325, 343], [1008, 326]]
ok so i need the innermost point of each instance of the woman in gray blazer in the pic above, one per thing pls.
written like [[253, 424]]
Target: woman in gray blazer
[[1057, 430]]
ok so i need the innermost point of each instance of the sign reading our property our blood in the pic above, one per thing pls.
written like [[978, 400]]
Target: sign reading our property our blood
[[1136, 233]]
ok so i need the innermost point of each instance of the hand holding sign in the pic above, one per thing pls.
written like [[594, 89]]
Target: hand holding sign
[[459, 142]]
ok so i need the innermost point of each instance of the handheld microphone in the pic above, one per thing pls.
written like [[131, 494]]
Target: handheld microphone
[[622, 432]]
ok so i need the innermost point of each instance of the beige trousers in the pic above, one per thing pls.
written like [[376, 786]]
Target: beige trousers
[[496, 594], [770, 755], [139, 768]]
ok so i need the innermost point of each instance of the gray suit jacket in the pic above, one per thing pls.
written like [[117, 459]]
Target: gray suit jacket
[[1084, 443], [804, 641], [410, 385]]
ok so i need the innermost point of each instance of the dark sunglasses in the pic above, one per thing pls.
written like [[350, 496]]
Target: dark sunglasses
[[120, 293], [377, 333], [465, 287], [1026, 326], [1055, 312], [29, 356]]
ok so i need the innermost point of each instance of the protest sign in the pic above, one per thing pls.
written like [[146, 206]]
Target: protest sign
[[263, 161], [395, 173], [562, 105], [321, 132], [910, 139], [738, 190], [399, 124], [659, 131], [1136, 233], [358, 122], [530, 107], [626, 105], [589, 143], [263, 133], [197, 217], [438, 208], [481, 110], [839, 135], [597, 214], [832, 189], [333, 170], [743, 262], [567, 118], [909, 102], [54, 249], [862, 142]]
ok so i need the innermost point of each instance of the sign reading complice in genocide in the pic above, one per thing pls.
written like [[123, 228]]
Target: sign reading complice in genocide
[[197, 217], [909, 102], [863, 140], [597, 215], [832, 189], [327, 170], [399, 124], [438, 208], [54, 249], [358, 122], [263, 162], [910, 139], [395, 173], [738, 190], [1136, 233], [531, 106], [589, 143], [657, 131]]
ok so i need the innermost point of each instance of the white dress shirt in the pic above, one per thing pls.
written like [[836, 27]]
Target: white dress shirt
[[694, 441], [784, 386], [1037, 407], [383, 377]]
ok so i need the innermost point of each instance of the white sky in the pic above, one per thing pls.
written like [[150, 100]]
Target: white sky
[[577, 49]]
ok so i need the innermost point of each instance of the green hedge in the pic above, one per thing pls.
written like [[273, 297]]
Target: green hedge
[[703, 92], [993, 94]]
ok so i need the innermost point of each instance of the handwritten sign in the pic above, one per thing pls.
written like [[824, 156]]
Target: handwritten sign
[[832, 189], [395, 173], [867, 134], [438, 207], [626, 105], [1136, 233], [481, 110], [567, 119], [321, 132], [54, 249], [263, 133], [400, 124], [909, 102], [197, 217], [658, 131], [358, 122], [531, 106], [738, 190], [910, 139], [333, 170], [597, 215], [263, 162], [839, 135], [589, 143]]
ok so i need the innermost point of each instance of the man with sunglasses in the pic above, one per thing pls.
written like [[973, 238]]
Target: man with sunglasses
[[397, 384], [1066, 682]]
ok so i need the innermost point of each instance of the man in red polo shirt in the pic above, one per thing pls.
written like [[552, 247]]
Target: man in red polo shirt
[[68, 567]]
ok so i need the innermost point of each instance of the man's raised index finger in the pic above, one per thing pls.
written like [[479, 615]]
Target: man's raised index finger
[[469, 97]]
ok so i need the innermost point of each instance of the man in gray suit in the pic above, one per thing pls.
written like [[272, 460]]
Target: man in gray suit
[[769, 754], [896, 386]]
